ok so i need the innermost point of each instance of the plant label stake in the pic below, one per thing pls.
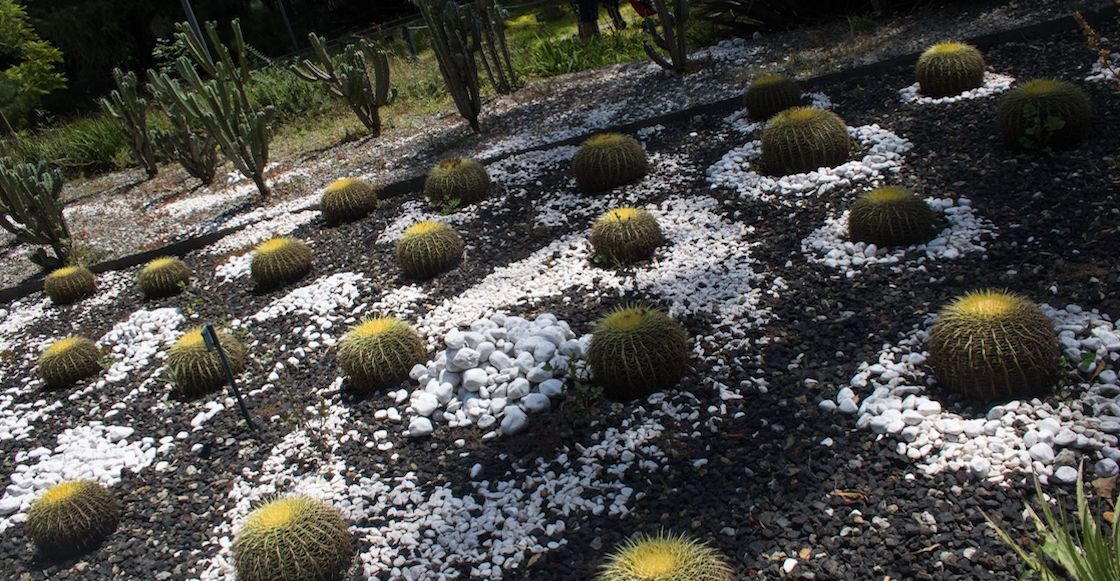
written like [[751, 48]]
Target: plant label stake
[[212, 344]]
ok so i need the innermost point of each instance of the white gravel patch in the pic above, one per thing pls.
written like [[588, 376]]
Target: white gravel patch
[[994, 84], [891, 397], [198, 202], [321, 298], [18, 316], [133, 343], [1104, 75], [966, 233], [884, 155], [234, 267]]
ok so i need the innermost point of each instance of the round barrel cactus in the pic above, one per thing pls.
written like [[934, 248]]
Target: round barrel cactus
[[72, 517], [609, 160], [379, 352], [803, 139], [994, 345], [347, 200], [427, 249], [949, 68], [69, 284], [890, 216], [163, 277], [637, 350], [280, 261], [665, 557], [195, 370], [293, 538], [625, 235], [457, 180], [769, 95], [68, 361], [1044, 114]]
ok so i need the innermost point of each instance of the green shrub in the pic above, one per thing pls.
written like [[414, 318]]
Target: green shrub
[[71, 517], [280, 261], [625, 235], [427, 249], [379, 352], [1044, 114], [607, 161], [890, 216], [163, 277], [69, 284], [29, 66], [769, 95], [636, 351], [994, 345], [293, 538], [195, 370], [457, 181], [949, 68], [82, 146], [291, 98], [68, 361], [665, 557], [347, 199], [803, 139]]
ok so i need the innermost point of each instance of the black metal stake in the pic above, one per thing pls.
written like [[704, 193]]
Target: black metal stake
[[212, 344]]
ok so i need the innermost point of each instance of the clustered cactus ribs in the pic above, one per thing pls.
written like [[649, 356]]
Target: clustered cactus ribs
[[163, 277], [635, 351], [347, 199], [802, 139], [457, 180], [769, 95], [196, 370], [72, 517], [625, 235], [68, 361], [890, 216], [427, 249], [280, 261], [665, 557], [607, 161], [1044, 114], [293, 538], [70, 284], [379, 352], [994, 345], [949, 68]]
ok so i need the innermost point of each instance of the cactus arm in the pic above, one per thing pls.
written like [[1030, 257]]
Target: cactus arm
[[131, 110], [31, 209], [668, 33]]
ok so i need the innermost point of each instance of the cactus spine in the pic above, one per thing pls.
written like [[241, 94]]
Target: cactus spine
[[769, 95], [69, 284], [454, 41], [195, 150], [68, 361], [31, 210], [293, 538], [665, 557], [802, 139], [350, 79], [672, 38], [71, 517], [379, 352], [949, 68], [131, 110]]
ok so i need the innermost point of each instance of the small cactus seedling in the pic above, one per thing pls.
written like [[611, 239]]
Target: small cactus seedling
[[457, 180], [163, 277], [347, 200], [1044, 114], [280, 261], [625, 235], [993, 345], [293, 538], [949, 68], [379, 352], [769, 95], [803, 139], [196, 370], [68, 361], [890, 216], [72, 517], [69, 284], [609, 160], [665, 557], [427, 249], [635, 351]]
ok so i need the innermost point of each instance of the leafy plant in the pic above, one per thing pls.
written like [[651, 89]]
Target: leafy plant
[[30, 67]]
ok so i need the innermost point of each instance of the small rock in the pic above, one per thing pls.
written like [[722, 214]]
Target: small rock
[[514, 421]]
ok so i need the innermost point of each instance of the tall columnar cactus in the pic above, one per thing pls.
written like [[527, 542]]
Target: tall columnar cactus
[[31, 210], [491, 25], [186, 142], [671, 37], [221, 104], [350, 78], [128, 107], [454, 42]]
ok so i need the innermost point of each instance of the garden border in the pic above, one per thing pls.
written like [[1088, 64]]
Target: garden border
[[1032, 31]]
